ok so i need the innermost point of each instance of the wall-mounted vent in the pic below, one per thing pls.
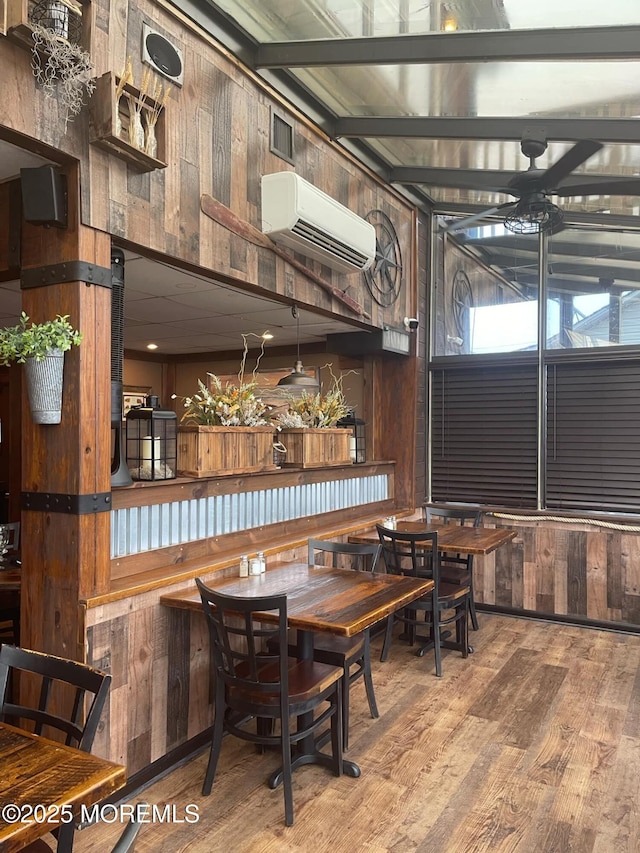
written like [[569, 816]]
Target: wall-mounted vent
[[282, 138], [303, 218], [163, 56]]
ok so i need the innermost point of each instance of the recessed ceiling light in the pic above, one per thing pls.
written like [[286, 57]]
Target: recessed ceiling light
[[152, 346]]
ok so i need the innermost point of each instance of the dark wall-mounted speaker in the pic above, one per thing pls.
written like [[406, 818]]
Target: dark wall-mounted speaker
[[161, 55], [44, 196]]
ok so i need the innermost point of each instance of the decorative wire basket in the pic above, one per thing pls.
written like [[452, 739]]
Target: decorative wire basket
[[61, 18]]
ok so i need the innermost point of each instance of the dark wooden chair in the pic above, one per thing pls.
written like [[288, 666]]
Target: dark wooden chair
[[456, 568], [89, 689], [266, 687], [352, 654], [416, 555]]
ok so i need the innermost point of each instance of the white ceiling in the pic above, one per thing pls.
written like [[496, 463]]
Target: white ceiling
[[180, 312]]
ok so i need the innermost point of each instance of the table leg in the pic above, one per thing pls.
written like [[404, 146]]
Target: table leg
[[308, 749]]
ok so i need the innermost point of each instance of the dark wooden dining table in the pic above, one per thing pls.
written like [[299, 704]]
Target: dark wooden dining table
[[42, 783], [451, 537], [319, 599]]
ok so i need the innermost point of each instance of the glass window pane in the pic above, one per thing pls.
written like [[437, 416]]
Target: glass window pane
[[486, 293], [593, 289]]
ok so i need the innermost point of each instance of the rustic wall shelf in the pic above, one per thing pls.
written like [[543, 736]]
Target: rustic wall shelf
[[18, 16], [110, 123]]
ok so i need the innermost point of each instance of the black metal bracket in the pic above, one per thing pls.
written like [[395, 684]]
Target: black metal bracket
[[69, 504], [68, 271]]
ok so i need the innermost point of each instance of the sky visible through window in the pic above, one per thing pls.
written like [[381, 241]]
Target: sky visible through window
[[514, 326]]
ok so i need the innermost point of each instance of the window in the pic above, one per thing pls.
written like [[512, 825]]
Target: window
[[515, 426]]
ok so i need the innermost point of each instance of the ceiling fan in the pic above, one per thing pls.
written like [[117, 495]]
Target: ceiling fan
[[533, 212]]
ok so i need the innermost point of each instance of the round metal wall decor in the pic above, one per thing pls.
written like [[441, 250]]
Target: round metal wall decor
[[461, 300], [384, 276]]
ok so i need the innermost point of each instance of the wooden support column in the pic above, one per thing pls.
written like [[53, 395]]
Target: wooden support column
[[394, 421], [66, 554]]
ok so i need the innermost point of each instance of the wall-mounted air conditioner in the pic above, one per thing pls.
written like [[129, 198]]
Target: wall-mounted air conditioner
[[302, 217]]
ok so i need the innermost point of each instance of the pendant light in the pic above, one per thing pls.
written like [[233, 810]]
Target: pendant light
[[297, 382]]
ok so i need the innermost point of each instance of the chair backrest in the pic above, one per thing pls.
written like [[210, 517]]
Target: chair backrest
[[448, 515], [237, 636], [410, 554], [90, 686], [366, 556]]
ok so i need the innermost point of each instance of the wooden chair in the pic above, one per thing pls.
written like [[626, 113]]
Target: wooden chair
[[347, 652], [351, 654], [457, 568], [79, 725], [264, 686], [416, 555]]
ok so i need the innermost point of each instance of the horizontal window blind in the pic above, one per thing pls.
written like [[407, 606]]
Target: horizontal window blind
[[593, 435], [484, 435]]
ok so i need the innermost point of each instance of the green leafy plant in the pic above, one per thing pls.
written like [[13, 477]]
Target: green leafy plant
[[318, 411], [36, 340]]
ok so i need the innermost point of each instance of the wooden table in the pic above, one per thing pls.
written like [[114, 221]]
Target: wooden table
[[334, 601], [36, 771], [451, 537]]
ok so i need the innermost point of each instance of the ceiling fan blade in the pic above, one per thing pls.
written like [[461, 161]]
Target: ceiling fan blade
[[563, 167], [618, 186], [463, 224]]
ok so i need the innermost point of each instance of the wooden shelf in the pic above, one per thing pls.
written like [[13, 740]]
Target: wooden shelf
[[17, 21], [109, 123]]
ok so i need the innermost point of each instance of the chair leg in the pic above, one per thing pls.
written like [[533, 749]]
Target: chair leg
[[216, 741], [368, 680], [435, 628], [472, 606], [345, 707], [287, 781], [387, 637], [465, 629], [337, 730]]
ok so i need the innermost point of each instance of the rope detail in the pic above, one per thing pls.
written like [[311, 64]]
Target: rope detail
[[613, 525]]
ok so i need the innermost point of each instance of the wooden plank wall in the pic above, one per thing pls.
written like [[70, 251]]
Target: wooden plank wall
[[218, 142], [576, 570]]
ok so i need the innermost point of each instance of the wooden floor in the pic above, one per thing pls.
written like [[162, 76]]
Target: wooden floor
[[532, 744]]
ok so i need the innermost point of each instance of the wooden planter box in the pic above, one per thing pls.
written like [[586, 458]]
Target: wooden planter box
[[316, 448], [208, 451]]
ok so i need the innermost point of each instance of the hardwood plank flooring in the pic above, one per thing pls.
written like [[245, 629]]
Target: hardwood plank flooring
[[531, 745]]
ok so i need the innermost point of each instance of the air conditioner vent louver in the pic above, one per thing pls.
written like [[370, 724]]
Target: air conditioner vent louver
[[303, 218], [330, 244]]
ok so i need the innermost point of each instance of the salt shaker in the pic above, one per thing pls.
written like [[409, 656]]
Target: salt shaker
[[254, 566], [262, 561], [244, 566]]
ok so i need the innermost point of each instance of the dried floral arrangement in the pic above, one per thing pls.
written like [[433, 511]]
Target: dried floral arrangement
[[318, 411], [231, 404], [149, 105]]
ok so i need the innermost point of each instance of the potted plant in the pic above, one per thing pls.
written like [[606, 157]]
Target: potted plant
[[224, 428], [308, 428], [40, 347]]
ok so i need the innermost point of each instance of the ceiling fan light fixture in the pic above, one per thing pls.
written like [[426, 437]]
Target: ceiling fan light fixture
[[533, 216]]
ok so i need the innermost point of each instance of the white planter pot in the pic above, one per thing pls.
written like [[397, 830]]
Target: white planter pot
[[44, 387]]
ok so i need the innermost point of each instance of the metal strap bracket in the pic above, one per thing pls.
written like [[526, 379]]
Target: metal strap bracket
[[67, 271], [69, 504]]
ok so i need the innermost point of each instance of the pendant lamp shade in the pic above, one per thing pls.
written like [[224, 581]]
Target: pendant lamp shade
[[298, 381]]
